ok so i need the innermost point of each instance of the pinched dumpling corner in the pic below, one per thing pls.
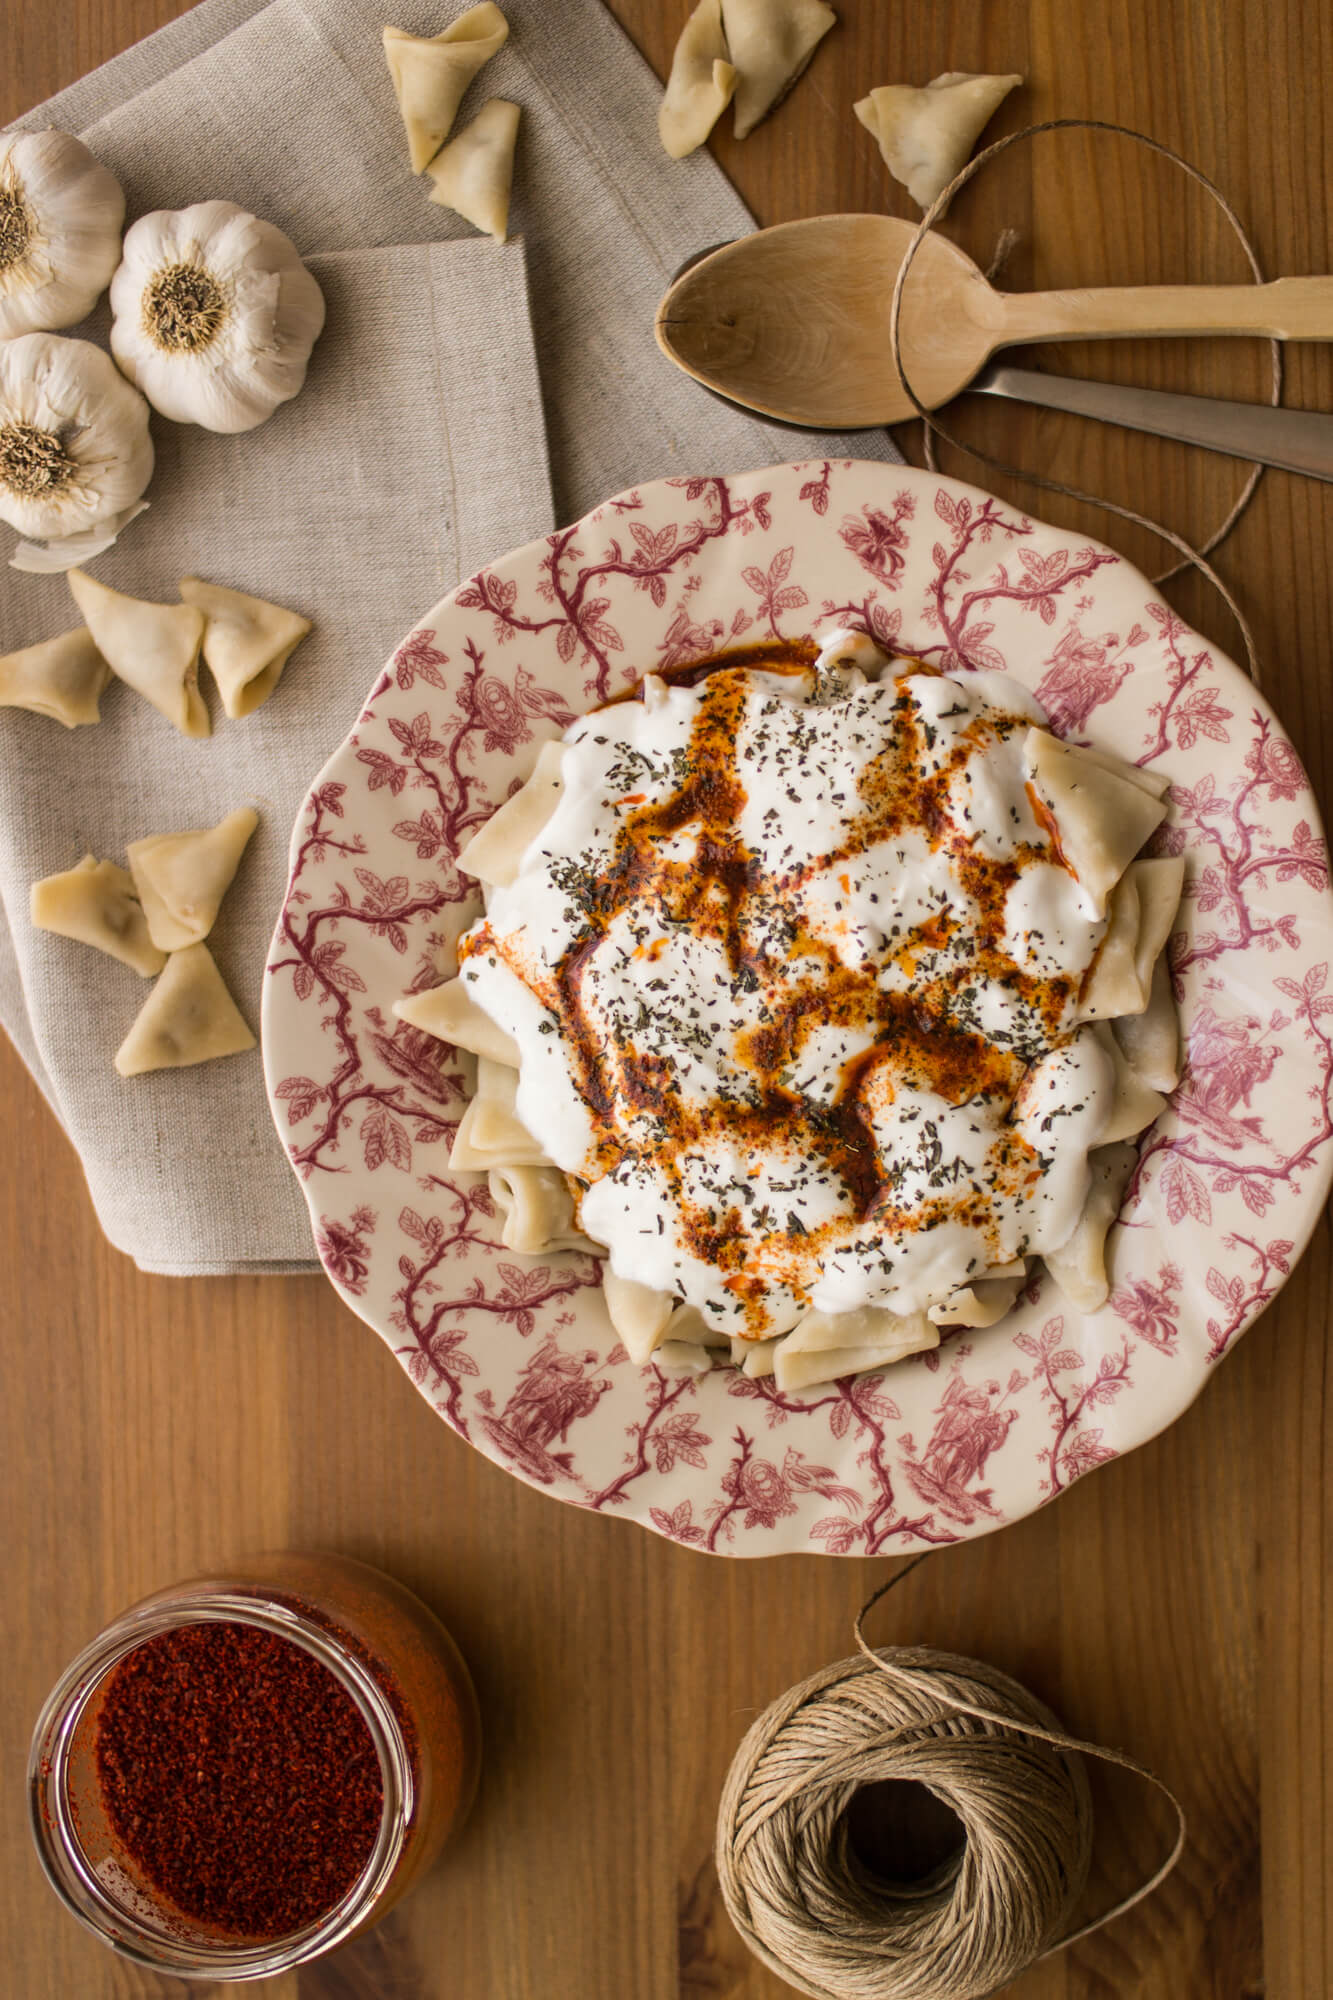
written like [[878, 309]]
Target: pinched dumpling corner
[[770, 42], [95, 903], [181, 878], [701, 84], [246, 642], [821, 994], [62, 678], [474, 173], [431, 72], [153, 648], [926, 136], [189, 1017]]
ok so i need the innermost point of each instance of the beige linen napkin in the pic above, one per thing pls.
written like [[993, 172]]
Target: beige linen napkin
[[288, 109], [414, 452]]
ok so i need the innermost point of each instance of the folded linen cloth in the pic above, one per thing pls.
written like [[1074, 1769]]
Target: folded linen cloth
[[413, 456], [414, 452]]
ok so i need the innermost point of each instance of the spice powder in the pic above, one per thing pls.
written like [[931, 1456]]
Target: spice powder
[[239, 1777]]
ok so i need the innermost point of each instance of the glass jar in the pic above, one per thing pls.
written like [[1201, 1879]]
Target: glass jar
[[383, 1648]]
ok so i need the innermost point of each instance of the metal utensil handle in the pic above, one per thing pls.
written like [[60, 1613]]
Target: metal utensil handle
[[1295, 440]]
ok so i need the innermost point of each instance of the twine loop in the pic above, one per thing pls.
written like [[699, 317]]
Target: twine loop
[[1190, 557], [807, 1905]]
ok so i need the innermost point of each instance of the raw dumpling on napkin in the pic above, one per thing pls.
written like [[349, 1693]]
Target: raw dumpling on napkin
[[247, 642], [153, 648], [701, 83], [474, 173], [430, 74], [189, 1017], [770, 42], [926, 136], [95, 904], [181, 878], [63, 678]]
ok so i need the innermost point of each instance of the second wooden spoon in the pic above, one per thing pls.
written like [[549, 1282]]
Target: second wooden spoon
[[793, 322]]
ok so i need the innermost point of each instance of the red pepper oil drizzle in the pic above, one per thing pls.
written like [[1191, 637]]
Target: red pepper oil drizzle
[[722, 892]]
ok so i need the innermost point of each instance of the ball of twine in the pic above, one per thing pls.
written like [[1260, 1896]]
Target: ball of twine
[[806, 1904]]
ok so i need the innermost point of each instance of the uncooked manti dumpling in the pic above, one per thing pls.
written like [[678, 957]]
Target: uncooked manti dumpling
[[182, 877], [430, 74], [189, 1017], [95, 903], [475, 172], [153, 648], [700, 85], [926, 136], [770, 42], [62, 678], [247, 642]]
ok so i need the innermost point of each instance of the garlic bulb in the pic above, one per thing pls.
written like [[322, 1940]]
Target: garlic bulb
[[75, 453], [60, 217], [214, 315]]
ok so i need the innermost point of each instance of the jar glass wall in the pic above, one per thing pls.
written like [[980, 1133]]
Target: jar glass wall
[[383, 1649]]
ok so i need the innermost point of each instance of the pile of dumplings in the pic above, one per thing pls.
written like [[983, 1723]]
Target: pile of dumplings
[[473, 174], [753, 51], [155, 648], [154, 918]]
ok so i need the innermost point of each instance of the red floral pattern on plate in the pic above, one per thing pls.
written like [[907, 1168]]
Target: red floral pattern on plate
[[516, 1353]]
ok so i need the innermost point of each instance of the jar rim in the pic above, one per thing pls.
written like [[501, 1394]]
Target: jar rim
[[54, 1824]]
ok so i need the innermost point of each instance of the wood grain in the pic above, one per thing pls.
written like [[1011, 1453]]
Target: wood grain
[[1173, 1603]]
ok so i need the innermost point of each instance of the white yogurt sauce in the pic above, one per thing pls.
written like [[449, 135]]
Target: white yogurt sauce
[[791, 968]]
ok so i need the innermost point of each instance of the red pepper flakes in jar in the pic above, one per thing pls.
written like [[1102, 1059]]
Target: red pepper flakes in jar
[[239, 1777], [246, 1770]]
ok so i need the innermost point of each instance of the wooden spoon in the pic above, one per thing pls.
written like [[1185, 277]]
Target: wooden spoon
[[793, 322]]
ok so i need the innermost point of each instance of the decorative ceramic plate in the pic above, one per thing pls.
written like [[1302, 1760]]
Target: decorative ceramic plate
[[517, 1354]]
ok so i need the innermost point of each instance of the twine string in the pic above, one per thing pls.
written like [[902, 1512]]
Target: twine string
[[1190, 557], [1058, 1740], [807, 1905]]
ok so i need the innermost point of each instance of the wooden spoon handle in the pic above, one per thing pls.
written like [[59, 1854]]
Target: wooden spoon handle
[[1288, 309]]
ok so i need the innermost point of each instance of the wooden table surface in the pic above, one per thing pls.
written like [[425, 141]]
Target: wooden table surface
[[1173, 1603]]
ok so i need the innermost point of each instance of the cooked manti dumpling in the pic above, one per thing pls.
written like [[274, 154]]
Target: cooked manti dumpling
[[537, 1210], [1079, 1266], [181, 878], [1150, 1041], [95, 903], [639, 1314], [1101, 816], [62, 678], [986, 1299], [701, 83], [1136, 1103], [770, 42], [430, 74], [868, 1326], [926, 136], [247, 642], [801, 1368], [451, 1014], [189, 1017], [1142, 909], [490, 1132], [474, 173], [496, 848], [153, 648]]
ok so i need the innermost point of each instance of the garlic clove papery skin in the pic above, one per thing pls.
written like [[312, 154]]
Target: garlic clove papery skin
[[75, 454], [214, 315], [61, 212]]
